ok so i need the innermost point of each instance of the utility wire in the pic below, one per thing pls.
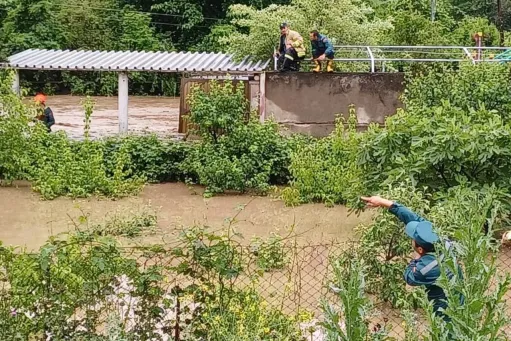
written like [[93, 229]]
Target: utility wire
[[130, 10]]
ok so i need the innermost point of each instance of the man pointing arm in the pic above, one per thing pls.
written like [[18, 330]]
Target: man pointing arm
[[424, 270]]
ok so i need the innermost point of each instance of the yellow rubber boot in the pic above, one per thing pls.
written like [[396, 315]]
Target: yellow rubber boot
[[318, 66], [330, 66]]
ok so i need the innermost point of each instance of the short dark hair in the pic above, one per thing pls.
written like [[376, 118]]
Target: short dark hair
[[427, 247], [283, 25], [315, 33]]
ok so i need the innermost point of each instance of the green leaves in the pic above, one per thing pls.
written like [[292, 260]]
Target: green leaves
[[346, 22], [237, 152]]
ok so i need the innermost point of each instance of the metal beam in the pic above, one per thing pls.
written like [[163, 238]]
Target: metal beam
[[123, 102]]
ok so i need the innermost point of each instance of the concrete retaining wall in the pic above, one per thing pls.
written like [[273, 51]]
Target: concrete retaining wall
[[308, 102]]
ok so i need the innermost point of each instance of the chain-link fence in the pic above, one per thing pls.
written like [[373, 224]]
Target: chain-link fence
[[80, 289], [297, 279]]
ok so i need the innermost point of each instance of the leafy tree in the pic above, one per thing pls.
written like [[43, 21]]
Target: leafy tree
[[31, 24], [345, 21]]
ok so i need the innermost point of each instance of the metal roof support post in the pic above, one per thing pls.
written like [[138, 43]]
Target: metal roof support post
[[123, 102], [262, 97], [16, 83], [370, 53]]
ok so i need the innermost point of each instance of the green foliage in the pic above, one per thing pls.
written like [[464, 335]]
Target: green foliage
[[15, 127], [482, 312], [235, 152], [120, 224], [153, 158], [219, 110], [77, 169], [468, 88], [270, 253], [384, 249], [45, 290], [463, 139], [344, 21], [350, 321], [247, 318], [327, 170]]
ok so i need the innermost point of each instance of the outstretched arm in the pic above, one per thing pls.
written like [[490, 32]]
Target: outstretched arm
[[401, 212]]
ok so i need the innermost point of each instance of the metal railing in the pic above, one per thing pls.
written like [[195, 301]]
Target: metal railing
[[388, 54]]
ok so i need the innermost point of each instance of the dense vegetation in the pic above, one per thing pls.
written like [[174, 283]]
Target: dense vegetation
[[239, 26]]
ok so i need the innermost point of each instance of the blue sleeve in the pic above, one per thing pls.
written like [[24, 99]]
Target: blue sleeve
[[413, 276], [329, 46], [404, 214]]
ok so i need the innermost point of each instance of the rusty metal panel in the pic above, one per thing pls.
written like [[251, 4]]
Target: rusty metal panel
[[186, 86]]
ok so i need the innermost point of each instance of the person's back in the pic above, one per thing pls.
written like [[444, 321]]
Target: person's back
[[47, 114]]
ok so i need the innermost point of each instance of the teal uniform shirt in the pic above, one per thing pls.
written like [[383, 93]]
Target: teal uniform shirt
[[425, 270]]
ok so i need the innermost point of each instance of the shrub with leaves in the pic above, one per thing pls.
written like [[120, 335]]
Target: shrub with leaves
[[77, 169], [481, 314], [484, 85], [219, 110], [235, 152], [16, 131], [153, 158], [326, 170], [385, 249], [348, 318]]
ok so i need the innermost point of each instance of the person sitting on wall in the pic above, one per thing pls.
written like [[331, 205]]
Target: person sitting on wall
[[45, 113], [322, 49], [291, 43]]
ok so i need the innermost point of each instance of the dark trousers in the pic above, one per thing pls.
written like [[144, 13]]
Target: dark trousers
[[319, 53], [290, 60]]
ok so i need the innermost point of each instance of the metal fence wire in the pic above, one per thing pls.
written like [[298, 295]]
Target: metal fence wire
[[301, 282], [293, 279]]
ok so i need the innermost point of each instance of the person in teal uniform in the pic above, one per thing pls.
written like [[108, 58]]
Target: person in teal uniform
[[424, 270]]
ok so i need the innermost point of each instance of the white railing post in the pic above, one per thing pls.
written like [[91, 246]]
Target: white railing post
[[373, 68], [275, 59], [469, 55]]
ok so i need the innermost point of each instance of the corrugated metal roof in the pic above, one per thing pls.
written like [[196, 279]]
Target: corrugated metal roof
[[35, 59]]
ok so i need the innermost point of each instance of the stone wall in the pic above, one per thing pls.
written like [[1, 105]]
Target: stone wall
[[308, 103]]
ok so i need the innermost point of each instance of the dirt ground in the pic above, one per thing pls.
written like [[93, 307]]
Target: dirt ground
[[154, 114], [26, 220]]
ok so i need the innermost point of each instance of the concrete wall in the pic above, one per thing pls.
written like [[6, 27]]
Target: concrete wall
[[308, 102]]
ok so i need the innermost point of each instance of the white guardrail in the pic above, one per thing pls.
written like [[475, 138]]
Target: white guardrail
[[449, 54]]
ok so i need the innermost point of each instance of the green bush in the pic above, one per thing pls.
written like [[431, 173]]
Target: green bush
[[481, 313], [153, 158], [236, 152], [484, 85], [326, 170], [453, 132]]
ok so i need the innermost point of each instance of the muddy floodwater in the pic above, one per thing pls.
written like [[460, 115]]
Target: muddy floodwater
[[158, 115], [27, 220]]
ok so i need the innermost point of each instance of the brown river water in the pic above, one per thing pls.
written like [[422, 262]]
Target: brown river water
[[158, 115]]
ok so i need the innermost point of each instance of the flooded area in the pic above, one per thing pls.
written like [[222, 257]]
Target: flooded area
[[27, 220], [158, 115]]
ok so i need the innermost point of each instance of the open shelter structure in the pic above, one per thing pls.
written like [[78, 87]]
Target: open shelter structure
[[124, 62]]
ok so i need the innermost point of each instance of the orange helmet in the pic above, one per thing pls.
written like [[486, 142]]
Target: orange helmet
[[40, 98]]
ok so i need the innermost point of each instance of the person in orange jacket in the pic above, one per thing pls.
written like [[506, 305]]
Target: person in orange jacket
[[46, 114]]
